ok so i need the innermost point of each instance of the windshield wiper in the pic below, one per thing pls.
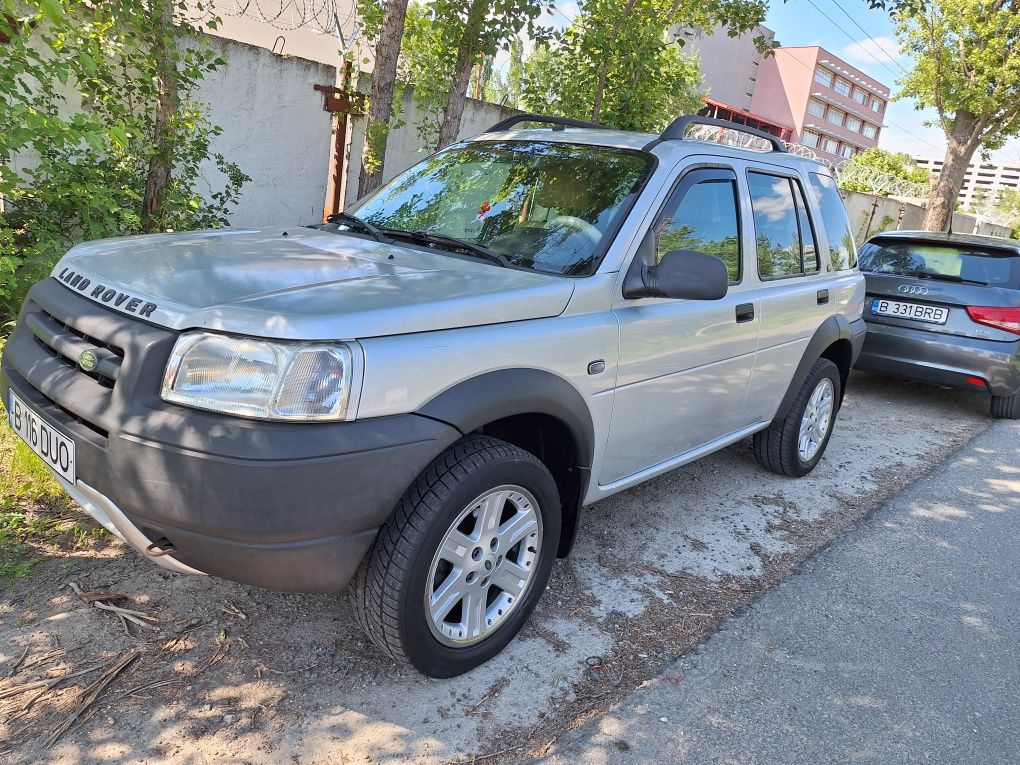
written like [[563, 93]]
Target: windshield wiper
[[942, 277], [353, 221], [450, 242]]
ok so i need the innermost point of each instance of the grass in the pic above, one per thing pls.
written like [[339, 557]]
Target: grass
[[36, 518]]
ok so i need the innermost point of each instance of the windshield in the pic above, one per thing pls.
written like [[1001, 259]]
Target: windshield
[[543, 205], [948, 262]]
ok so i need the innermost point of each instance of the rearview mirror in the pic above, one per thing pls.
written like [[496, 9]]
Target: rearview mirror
[[686, 274]]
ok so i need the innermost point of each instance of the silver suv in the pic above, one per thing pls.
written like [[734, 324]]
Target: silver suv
[[422, 394]]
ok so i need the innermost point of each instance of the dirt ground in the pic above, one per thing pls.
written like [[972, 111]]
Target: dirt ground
[[234, 674]]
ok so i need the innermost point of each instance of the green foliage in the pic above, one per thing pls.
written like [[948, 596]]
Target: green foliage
[[426, 63], [614, 64], [891, 163], [966, 59], [441, 36], [1008, 207], [77, 133]]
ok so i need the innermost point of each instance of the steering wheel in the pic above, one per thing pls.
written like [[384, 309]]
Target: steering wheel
[[578, 224]]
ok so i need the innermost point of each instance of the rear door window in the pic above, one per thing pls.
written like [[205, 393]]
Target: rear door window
[[943, 262], [784, 238]]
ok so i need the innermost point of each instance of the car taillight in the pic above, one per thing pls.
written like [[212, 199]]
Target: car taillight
[[1002, 318]]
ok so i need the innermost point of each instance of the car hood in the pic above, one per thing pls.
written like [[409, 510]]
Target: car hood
[[302, 283]]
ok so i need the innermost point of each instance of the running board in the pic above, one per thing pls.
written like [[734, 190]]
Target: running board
[[682, 459]]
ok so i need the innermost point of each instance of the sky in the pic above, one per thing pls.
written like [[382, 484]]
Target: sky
[[861, 36]]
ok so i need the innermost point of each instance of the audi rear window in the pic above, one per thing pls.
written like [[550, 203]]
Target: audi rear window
[[942, 262]]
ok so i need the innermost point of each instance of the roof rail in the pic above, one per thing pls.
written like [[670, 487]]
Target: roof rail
[[558, 123], [677, 129]]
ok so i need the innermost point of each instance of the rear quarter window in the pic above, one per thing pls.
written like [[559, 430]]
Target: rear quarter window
[[838, 233]]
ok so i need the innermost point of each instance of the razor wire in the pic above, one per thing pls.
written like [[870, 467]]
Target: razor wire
[[878, 181], [325, 16]]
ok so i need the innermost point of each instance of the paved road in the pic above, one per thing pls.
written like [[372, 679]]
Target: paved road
[[898, 644]]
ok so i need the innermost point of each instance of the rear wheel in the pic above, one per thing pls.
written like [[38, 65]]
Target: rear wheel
[[1006, 407], [458, 568], [792, 446]]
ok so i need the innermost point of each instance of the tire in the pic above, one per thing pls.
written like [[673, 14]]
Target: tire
[[778, 448], [405, 570], [1006, 407]]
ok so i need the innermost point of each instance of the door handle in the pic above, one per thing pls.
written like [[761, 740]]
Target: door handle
[[823, 297], [745, 312]]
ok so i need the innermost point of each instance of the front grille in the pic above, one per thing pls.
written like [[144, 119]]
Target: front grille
[[42, 360], [67, 344]]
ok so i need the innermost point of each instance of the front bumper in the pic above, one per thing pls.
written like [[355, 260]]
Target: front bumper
[[941, 359], [286, 506]]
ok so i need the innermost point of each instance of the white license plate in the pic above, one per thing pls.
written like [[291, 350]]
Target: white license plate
[[916, 311], [56, 449]]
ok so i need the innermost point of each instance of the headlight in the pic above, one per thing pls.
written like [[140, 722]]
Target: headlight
[[269, 380]]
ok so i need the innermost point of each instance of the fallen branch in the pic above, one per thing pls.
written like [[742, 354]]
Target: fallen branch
[[145, 687], [17, 664], [92, 693], [135, 617], [45, 683], [233, 610], [96, 599], [42, 658]]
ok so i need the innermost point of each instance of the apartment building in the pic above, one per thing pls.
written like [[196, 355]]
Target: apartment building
[[729, 65], [833, 108], [981, 182]]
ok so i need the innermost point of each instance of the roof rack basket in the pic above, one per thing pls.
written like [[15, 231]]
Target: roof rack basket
[[558, 123], [677, 129]]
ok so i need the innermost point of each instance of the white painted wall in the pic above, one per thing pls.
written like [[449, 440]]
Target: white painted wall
[[274, 128]]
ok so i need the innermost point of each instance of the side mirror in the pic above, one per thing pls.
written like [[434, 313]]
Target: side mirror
[[686, 274]]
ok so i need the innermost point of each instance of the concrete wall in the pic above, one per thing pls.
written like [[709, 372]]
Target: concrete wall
[[871, 214], [274, 128], [404, 148]]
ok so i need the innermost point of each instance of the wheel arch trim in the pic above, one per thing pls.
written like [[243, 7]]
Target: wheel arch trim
[[492, 396], [832, 330]]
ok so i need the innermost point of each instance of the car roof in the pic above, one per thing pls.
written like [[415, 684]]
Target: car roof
[[944, 237], [674, 149]]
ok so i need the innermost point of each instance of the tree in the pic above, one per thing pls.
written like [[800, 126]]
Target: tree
[[967, 67], [615, 65], [168, 106], [515, 72], [890, 163], [1007, 208], [100, 134], [386, 26], [466, 31]]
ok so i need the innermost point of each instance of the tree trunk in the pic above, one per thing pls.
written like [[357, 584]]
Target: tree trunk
[[963, 142], [380, 104], [600, 84], [167, 105], [467, 53]]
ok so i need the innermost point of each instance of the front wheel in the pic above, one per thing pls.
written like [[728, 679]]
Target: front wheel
[[792, 446], [459, 566]]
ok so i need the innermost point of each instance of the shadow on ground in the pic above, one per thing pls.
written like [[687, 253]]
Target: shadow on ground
[[237, 674]]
